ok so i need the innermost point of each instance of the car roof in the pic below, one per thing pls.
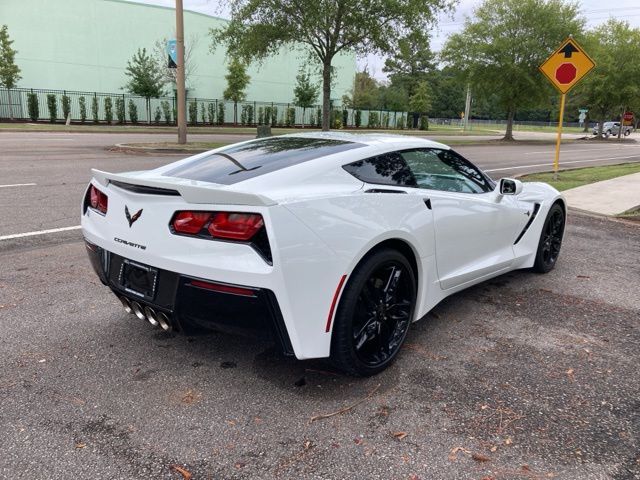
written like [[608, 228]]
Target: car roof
[[372, 139]]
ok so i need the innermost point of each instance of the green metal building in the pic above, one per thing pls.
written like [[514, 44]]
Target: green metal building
[[84, 45]]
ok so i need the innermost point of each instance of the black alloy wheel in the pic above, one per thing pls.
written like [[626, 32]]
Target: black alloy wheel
[[550, 240], [374, 315]]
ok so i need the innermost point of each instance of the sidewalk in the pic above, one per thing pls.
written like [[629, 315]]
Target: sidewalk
[[609, 197]]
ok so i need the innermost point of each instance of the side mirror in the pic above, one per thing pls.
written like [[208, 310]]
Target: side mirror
[[510, 186]]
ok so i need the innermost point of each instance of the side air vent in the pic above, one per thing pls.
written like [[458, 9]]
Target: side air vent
[[536, 209], [144, 189], [383, 190]]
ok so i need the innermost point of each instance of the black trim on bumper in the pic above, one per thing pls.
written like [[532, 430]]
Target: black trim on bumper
[[193, 309]]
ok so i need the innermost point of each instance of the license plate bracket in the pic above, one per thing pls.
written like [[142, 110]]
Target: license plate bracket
[[138, 279]]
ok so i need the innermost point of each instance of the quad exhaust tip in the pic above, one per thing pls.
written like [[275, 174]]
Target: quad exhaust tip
[[126, 304], [137, 310], [151, 316], [164, 322]]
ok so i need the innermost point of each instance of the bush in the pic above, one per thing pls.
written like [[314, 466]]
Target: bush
[[385, 120], [274, 116], [250, 114], [166, 111], [312, 118], [267, 115], [120, 112], [34, 108], [291, 117], [193, 112], [158, 116], [243, 115], [260, 116], [94, 109], [424, 122], [334, 118], [319, 117], [374, 120], [66, 106], [133, 111], [52, 104], [211, 112], [108, 109], [83, 108], [220, 113], [400, 122], [203, 113], [345, 117], [358, 119]]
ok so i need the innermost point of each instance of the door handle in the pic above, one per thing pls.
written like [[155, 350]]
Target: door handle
[[427, 202]]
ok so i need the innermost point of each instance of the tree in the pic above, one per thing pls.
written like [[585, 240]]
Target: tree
[[9, 71], [410, 63], [237, 82], [305, 93], [145, 79], [365, 92], [160, 56], [607, 90], [420, 101], [500, 49], [259, 28]]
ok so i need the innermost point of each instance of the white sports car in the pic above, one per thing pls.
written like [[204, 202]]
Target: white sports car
[[331, 243]]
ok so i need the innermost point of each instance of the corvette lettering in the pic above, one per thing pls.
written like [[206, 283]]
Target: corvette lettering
[[129, 244]]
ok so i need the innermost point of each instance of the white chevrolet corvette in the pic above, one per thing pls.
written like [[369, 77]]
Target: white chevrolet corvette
[[330, 243]]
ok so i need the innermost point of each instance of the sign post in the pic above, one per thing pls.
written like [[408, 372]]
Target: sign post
[[564, 68]]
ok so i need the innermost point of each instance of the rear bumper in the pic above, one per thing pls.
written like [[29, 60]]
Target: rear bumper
[[192, 308]]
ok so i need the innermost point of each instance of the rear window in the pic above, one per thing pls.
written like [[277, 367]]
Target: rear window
[[235, 164]]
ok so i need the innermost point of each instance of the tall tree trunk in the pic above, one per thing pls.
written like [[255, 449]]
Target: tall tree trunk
[[621, 122], [600, 127], [326, 94], [508, 134]]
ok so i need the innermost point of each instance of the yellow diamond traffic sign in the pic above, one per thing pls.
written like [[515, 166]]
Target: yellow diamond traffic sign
[[567, 65]]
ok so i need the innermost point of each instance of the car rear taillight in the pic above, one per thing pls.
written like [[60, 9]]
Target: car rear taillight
[[97, 200], [226, 225], [229, 226]]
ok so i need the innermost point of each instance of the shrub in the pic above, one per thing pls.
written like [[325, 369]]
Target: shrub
[[120, 112], [52, 104], [175, 115], [158, 115], [260, 116], [385, 120], [243, 115], [83, 108], [345, 117], [250, 114], [337, 123], [400, 122], [274, 116], [220, 113], [211, 112], [203, 113], [291, 117], [193, 112], [94, 109], [373, 120], [319, 117], [334, 118], [267, 115], [166, 111], [108, 109], [34, 108], [424, 122], [312, 119], [358, 119], [66, 106], [133, 111]]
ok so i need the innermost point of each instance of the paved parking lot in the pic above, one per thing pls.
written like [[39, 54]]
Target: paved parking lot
[[526, 376]]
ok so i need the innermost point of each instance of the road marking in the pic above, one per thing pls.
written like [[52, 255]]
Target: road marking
[[39, 232], [561, 163], [18, 185]]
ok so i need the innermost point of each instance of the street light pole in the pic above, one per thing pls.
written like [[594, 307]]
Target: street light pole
[[182, 114]]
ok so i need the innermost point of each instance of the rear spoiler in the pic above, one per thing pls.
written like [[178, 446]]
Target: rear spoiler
[[191, 190]]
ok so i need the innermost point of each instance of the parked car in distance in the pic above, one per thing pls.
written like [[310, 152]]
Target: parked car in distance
[[611, 128]]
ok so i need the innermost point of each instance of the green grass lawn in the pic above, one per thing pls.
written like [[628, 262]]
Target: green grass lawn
[[582, 176]]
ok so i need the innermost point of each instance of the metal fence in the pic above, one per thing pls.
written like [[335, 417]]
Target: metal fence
[[51, 105]]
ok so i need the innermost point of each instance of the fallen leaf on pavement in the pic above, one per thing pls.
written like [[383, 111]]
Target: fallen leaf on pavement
[[186, 474], [478, 457], [81, 445], [508, 441], [399, 435], [494, 448], [453, 454]]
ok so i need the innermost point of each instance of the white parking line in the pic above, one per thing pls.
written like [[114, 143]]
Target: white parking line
[[39, 232], [18, 185], [549, 164]]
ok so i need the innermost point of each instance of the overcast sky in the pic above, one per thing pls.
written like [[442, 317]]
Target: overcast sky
[[594, 10]]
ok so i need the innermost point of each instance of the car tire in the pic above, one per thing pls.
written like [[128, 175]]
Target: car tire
[[374, 314], [608, 133], [550, 240], [627, 133]]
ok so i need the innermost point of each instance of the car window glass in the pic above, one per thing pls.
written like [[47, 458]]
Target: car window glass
[[445, 170], [387, 169]]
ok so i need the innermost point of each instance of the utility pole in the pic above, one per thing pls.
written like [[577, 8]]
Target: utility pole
[[467, 108], [182, 114]]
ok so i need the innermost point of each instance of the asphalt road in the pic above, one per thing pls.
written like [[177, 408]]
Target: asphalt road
[[526, 376]]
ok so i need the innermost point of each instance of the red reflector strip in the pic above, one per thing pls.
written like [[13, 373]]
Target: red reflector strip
[[219, 287], [334, 301]]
